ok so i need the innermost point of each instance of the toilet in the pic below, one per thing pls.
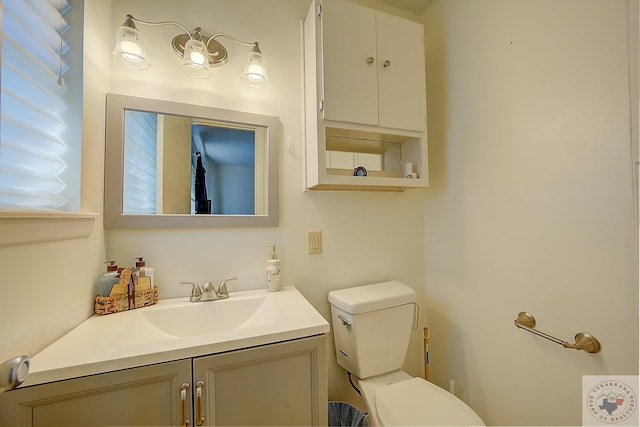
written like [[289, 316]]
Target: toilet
[[371, 328]]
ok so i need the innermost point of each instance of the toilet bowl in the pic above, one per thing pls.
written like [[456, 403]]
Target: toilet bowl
[[371, 328]]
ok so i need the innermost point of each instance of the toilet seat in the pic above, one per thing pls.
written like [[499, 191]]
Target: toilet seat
[[419, 402]]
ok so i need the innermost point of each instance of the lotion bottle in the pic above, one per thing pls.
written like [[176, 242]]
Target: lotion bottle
[[145, 271], [108, 279], [272, 270]]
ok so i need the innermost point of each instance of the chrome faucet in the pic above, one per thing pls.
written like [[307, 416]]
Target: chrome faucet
[[222, 292], [208, 292]]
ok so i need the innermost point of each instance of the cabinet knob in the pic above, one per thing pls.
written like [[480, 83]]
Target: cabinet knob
[[370, 60], [386, 63]]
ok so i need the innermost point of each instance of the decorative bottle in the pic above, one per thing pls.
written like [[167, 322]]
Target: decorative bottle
[[143, 270], [272, 270], [108, 279]]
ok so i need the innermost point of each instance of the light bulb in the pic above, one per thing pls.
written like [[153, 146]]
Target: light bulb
[[197, 58], [254, 73], [195, 62], [129, 50]]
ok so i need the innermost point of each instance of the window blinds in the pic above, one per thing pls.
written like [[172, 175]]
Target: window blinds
[[140, 162], [33, 105]]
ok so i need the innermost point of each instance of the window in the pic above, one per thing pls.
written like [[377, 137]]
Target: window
[[40, 103]]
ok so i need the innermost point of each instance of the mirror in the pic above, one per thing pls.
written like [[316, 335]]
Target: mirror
[[169, 164]]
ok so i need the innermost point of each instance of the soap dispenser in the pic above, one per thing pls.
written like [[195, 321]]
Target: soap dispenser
[[142, 271], [108, 279], [272, 271]]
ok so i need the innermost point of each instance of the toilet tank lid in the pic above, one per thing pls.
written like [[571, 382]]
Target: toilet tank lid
[[361, 299]]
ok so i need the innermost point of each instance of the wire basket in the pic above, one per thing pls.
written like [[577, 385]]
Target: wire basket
[[117, 303]]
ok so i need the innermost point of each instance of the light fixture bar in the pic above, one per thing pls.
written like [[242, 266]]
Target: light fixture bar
[[216, 35], [156, 23], [198, 55], [217, 52]]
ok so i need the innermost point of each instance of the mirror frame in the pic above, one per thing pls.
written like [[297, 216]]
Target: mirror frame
[[114, 165]]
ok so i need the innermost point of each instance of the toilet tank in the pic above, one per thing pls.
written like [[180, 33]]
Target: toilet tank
[[372, 326]]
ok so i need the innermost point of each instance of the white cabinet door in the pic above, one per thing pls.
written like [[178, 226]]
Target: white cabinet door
[[373, 66], [350, 78], [146, 396], [401, 73], [281, 384]]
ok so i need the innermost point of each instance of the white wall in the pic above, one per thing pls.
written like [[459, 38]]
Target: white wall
[[367, 237], [531, 204]]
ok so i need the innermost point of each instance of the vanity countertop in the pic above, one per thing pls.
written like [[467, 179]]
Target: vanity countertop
[[169, 331]]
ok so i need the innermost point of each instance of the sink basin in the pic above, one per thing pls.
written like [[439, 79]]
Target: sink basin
[[213, 316]]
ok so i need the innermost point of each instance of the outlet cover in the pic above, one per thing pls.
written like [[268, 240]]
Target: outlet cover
[[314, 242]]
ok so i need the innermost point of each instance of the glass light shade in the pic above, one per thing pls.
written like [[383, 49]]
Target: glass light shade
[[254, 73], [129, 50], [195, 62]]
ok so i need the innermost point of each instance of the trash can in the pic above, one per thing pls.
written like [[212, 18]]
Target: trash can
[[342, 414]]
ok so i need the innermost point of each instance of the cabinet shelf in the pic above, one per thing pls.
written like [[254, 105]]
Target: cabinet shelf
[[367, 183], [370, 174]]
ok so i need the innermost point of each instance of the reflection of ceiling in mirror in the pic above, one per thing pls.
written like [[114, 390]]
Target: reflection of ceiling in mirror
[[215, 144]]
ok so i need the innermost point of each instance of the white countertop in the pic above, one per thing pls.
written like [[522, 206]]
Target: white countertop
[[125, 340]]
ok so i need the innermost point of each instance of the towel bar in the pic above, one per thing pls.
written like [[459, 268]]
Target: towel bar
[[584, 341]]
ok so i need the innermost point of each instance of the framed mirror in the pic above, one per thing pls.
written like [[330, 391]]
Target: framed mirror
[[172, 165]]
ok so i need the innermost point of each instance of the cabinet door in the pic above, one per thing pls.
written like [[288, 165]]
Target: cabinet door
[[148, 395], [373, 65], [401, 73], [350, 79], [281, 384]]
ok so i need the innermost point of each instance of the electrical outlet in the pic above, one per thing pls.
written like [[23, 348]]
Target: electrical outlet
[[314, 242]]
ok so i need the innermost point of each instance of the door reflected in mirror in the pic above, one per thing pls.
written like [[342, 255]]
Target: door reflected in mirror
[[181, 165]]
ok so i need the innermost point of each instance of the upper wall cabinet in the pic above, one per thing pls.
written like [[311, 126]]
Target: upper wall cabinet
[[373, 67], [365, 99]]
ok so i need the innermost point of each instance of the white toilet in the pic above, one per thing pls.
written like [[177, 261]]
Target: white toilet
[[371, 328]]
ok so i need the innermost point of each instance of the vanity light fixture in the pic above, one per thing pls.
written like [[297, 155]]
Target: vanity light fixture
[[199, 52]]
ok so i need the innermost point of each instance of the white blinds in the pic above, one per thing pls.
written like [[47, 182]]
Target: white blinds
[[140, 162], [33, 104]]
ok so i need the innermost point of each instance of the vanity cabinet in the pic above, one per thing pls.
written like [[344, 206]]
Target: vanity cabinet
[[364, 94], [276, 384], [148, 395]]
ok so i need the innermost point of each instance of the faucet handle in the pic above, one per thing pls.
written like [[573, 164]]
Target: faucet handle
[[222, 291], [208, 287], [196, 291]]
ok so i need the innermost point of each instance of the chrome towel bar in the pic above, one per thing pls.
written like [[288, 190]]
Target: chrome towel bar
[[584, 341]]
